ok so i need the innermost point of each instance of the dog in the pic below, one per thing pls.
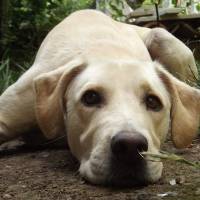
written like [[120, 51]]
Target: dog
[[116, 90]]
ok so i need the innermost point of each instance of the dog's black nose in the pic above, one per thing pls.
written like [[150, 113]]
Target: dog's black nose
[[126, 147]]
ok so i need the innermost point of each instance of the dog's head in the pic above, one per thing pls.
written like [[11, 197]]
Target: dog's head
[[114, 110]]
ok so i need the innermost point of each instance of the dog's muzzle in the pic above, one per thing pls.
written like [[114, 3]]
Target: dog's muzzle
[[127, 164]]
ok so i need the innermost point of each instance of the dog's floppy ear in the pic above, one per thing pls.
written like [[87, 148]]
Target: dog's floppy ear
[[50, 88], [185, 110]]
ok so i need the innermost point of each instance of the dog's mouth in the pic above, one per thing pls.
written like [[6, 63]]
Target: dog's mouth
[[125, 182], [127, 175], [118, 174]]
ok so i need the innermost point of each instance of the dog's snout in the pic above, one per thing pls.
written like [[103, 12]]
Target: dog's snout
[[126, 146]]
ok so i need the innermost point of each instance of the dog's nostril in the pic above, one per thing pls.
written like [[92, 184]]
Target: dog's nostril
[[126, 146]]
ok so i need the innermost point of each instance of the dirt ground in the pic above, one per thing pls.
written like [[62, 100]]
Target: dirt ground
[[51, 174]]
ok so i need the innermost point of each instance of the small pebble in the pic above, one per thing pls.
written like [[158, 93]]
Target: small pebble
[[45, 155], [7, 196], [166, 194], [197, 192], [172, 182]]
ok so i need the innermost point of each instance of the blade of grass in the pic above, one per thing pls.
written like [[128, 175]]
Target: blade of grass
[[163, 155], [8, 75]]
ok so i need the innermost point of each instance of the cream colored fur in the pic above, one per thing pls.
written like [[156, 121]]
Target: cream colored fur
[[89, 50]]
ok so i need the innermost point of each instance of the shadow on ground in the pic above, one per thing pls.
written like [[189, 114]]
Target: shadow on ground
[[51, 174]]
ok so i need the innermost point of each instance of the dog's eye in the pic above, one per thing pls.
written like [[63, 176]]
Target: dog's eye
[[153, 103], [91, 98]]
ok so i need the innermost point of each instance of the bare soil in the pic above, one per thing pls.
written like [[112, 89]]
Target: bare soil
[[51, 174]]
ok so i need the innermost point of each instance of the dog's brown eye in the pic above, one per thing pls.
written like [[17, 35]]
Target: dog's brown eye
[[153, 103], [91, 98]]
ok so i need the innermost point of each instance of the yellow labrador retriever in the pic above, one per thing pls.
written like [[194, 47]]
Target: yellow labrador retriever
[[96, 80]]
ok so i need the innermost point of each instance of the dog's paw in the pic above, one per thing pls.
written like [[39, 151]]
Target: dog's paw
[[11, 145], [4, 136]]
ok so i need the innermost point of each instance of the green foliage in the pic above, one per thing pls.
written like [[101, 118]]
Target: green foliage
[[116, 9], [31, 20], [8, 75], [113, 7], [163, 155], [198, 67], [198, 6], [28, 22]]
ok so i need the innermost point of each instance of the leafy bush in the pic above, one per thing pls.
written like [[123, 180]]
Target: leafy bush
[[8, 75], [28, 21]]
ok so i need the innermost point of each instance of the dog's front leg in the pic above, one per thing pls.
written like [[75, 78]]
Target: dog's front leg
[[17, 109]]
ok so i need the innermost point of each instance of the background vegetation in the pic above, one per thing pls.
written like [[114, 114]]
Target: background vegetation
[[23, 25], [26, 22]]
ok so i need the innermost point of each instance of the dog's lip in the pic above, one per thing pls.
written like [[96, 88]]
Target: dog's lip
[[126, 180], [119, 177], [126, 184], [123, 174], [122, 178], [128, 166], [119, 181]]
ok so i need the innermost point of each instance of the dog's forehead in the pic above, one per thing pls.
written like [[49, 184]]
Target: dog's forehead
[[120, 73]]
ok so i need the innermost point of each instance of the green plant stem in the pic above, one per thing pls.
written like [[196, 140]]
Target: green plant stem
[[169, 156]]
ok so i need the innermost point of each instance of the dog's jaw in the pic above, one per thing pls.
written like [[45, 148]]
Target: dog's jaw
[[90, 129], [101, 171]]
